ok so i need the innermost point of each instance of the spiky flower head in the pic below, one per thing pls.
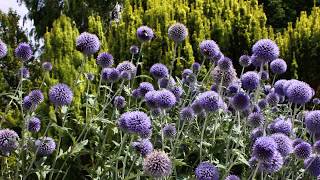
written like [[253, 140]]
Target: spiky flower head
[[177, 32], [262, 103], [232, 177], [196, 67], [134, 49], [159, 71], [273, 99], [110, 74], [316, 147], [34, 124], [127, 66], [144, 33], [143, 146], [145, 87], [210, 101], [240, 101], [187, 114], [60, 95], [47, 66], [273, 165], [136, 93], [284, 143], [157, 164], [27, 104], [169, 131], [119, 102], [278, 87], [299, 93], [316, 101], [233, 88], [227, 77], [135, 122], [312, 165], [165, 99], [264, 75], [105, 60], [264, 148], [210, 49], [151, 99], [255, 134], [3, 49], [225, 63], [24, 72], [250, 80], [23, 52], [8, 141], [36, 97], [297, 141], [278, 66], [256, 119], [167, 82], [255, 61], [280, 125], [87, 43], [206, 171], [186, 73], [45, 146], [245, 60], [266, 50], [312, 121]]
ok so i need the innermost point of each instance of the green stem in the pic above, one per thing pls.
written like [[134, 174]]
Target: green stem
[[201, 138], [119, 153], [125, 160], [173, 58]]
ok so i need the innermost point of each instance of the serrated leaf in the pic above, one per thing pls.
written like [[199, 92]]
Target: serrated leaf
[[79, 147], [179, 162]]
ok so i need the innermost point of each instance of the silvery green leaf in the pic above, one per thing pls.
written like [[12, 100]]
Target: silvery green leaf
[[79, 147]]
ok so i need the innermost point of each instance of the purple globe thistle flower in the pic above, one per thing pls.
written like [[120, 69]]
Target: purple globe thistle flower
[[267, 89], [144, 33], [105, 60], [169, 131], [233, 88], [262, 103], [191, 79], [264, 148], [196, 67], [125, 75], [145, 87], [266, 50], [36, 97], [245, 60], [90, 76], [303, 150], [177, 32], [87, 43], [134, 49], [60, 95], [186, 73], [316, 101], [256, 119], [280, 125], [151, 99], [187, 114], [127, 66], [159, 71], [250, 80], [240, 101], [136, 93], [256, 109], [23, 52], [156, 112], [136, 122], [25, 73], [297, 141], [8, 141], [210, 101], [227, 77], [299, 93], [278, 87], [225, 63], [316, 147], [27, 104], [312, 121], [143, 147], [284, 143], [278, 66], [255, 61], [210, 49], [165, 99], [119, 102], [157, 164], [272, 99], [288, 83], [205, 171], [34, 124], [264, 75], [167, 82], [197, 107], [312, 165], [255, 134], [3, 49], [45, 146], [274, 165], [214, 87], [47, 66], [232, 177], [110, 74]]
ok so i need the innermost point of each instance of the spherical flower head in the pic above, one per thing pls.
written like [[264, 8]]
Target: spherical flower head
[[151, 99], [297, 141], [27, 104], [187, 114], [87, 43], [8, 141], [210, 101], [299, 93], [134, 49], [159, 70], [227, 77], [274, 165], [196, 106], [196, 67], [167, 82], [262, 103], [136, 122], [278, 87], [23, 52], [110, 74], [312, 121], [25, 73], [278, 66], [169, 131], [272, 99], [264, 148], [316, 101], [267, 89], [145, 87], [206, 171], [284, 144], [233, 88], [255, 134], [288, 83], [255, 61], [119, 102], [316, 146], [157, 164], [250, 80], [34, 124], [90, 76], [144, 33], [3, 49], [280, 125], [186, 73], [191, 79], [105, 60], [136, 93], [245, 60], [240, 101], [143, 147], [165, 99], [266, 50], [312, 165], [177, 32], [303, 150], [264, 75], [232, 177], [225, 63], [209, 49], [45, 146], [256, 119], [47, 66], [125, 75], [36, 97], [60, 95], [127, 66]]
